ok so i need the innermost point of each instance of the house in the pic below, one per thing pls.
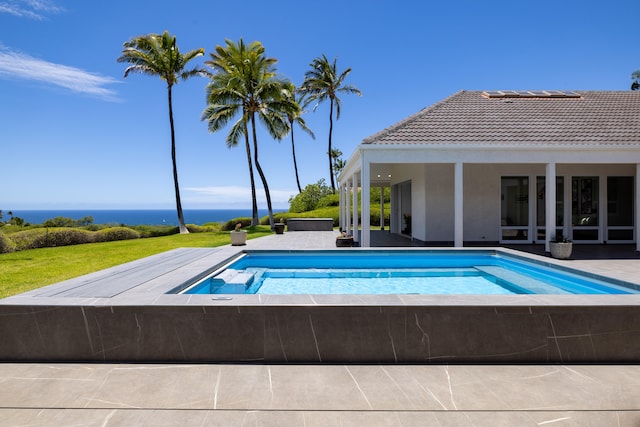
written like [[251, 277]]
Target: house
[[505, 167]]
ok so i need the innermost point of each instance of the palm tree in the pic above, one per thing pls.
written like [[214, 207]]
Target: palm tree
[[224, 103], [338, 163], [296, 117], [158, 55], [245, 79], [323, 82]]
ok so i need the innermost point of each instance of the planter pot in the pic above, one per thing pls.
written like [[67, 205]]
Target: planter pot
[[344, 242], [561, 250], [238, 238], [279, 228]]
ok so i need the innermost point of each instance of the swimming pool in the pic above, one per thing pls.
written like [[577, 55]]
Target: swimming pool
[[397, 272]]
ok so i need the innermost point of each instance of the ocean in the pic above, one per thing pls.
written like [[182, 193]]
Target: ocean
[[137, 216]]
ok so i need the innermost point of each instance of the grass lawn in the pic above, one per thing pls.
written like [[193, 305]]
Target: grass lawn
[[26, 270]]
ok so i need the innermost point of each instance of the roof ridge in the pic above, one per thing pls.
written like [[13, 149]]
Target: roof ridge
[[412, 117]]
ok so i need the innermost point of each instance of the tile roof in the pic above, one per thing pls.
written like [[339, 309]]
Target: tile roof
[[468, 117]]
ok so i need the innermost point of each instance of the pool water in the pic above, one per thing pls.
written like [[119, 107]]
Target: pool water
[[397, 272]]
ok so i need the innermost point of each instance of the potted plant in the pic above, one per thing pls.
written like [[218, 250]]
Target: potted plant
[[279, 227], [343, 240], [238, 236], [560, 247]]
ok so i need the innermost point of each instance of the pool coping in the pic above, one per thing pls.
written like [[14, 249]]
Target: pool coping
[[197, 263]]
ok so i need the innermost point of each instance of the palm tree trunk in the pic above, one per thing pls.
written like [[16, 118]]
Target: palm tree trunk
[[295, 165], [254, 200], [262, 177], [181, 225], [333, 185]]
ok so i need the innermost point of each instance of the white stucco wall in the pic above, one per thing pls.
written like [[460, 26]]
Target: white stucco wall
[[439, 203]]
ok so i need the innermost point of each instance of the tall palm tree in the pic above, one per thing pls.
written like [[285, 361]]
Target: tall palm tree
[[295, 116], [158, 55], [245, 78], [224, 102], [338, 163], [323, 82]]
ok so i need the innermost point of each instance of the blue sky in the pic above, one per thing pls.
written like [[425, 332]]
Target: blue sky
[[74, 134]]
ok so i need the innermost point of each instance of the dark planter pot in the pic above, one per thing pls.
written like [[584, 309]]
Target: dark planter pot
[[279, 228], [344, 242]]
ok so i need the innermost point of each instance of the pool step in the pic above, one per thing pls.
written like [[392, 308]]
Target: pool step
[[235, 277], [231, 282], [521, 281]]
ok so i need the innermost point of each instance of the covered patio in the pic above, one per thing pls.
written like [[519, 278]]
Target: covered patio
[[502, 168]]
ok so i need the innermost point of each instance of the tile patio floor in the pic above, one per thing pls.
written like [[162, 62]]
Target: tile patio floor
[[325, 395]]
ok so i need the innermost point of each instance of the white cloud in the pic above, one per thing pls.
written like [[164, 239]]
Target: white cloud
[[17, 65], [32, 9], [236, 195]]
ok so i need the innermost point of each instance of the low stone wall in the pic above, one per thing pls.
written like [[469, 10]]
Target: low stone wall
[[310, 224], [321, 334]]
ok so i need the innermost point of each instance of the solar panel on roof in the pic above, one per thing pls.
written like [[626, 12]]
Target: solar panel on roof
[[530, 94]]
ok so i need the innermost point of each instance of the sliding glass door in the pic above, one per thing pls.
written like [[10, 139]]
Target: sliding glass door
[[515, 209], [585, 209], [620, 209]]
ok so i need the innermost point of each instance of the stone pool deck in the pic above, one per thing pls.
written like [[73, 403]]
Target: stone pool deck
[[264, 393]]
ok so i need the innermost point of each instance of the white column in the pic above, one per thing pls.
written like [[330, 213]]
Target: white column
[[354, 187], [550, 205], [365, 201], [340, 206], [382, 207], [636, 224], [347, 211], [458, 222]]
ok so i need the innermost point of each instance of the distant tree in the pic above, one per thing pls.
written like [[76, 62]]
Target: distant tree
[[309, 198], [158, 55], [636, 80], [323, 82], [61, 221], [295, 116]]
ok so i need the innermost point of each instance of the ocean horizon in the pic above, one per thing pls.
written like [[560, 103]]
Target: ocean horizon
[[137, 216]]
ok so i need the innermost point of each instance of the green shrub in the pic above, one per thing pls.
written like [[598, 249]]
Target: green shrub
[[329, 200], [231, 224], [6, 245], [115, 233], [155, 230], [207, 228], [50, 237], [309, 198], [374, 195], [277, 217]]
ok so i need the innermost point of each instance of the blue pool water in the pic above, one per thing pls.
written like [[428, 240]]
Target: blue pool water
[[397, 272]]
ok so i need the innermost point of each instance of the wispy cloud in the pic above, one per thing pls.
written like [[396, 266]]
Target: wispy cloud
[[16, 65], [235, 195], [31, 9]]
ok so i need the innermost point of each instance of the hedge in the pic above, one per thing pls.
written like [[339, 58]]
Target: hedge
[[115, 233], [6, 245], [49, 237]]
